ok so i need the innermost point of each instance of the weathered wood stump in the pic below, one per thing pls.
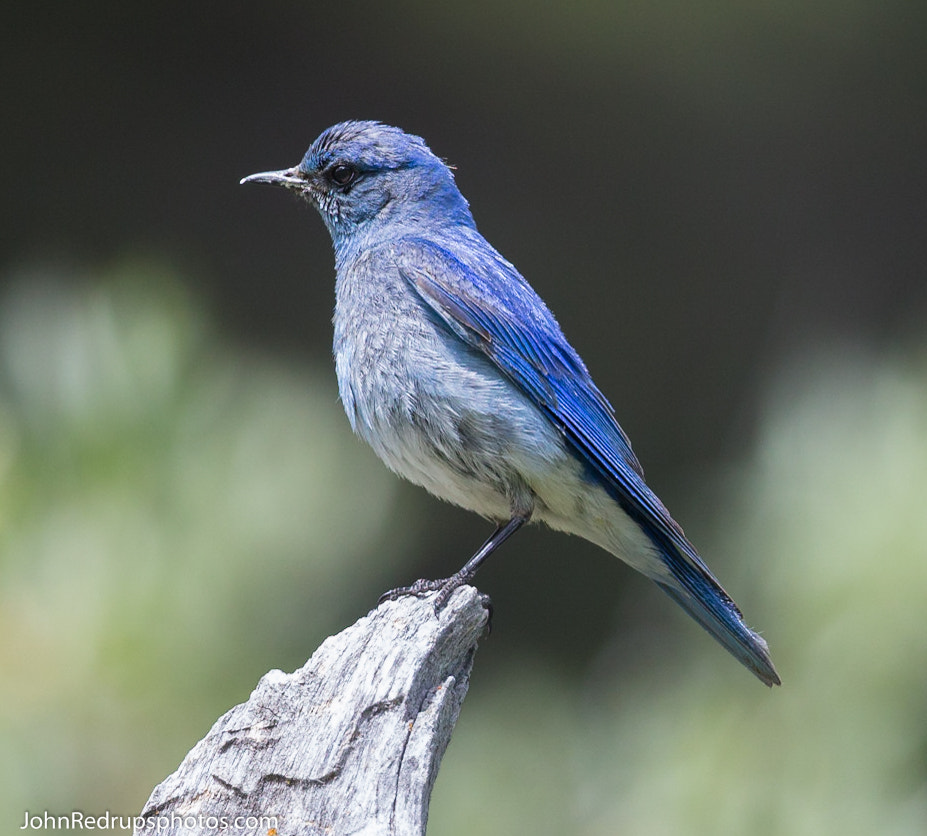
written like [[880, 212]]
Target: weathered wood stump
[[348, 744]]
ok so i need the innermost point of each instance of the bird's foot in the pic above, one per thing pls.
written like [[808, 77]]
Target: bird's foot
[[445, 587]]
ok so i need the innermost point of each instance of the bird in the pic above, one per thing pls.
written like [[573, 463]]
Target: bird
[[456, 373]]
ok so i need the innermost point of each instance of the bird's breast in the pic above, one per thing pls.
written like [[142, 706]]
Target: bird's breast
[[435, 410]]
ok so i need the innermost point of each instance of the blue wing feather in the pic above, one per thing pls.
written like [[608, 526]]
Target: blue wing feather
[[492, 308]]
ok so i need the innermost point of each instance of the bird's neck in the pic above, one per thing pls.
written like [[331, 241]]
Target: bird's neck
[[421, 219]]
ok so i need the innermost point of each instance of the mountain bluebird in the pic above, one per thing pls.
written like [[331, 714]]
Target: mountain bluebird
[[452, 368]]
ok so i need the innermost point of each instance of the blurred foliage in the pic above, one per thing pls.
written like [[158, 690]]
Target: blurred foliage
[[175, 518]]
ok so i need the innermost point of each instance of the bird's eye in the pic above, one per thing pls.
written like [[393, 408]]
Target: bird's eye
[[342, 174]]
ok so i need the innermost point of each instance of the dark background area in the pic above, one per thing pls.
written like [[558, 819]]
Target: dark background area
[[693, 190], [699, 193]]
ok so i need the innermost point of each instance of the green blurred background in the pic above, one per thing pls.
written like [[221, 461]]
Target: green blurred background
[[726, 206]]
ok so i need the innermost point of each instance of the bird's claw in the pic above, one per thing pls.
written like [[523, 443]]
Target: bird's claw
[[421, 587], [445, 587]]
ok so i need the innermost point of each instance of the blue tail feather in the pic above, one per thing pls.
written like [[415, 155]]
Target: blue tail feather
[[703, 598]]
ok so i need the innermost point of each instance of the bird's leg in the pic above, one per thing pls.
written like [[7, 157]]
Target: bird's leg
[[446, 586]]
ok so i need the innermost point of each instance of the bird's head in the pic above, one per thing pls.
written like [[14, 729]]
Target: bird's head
[[361, 174]]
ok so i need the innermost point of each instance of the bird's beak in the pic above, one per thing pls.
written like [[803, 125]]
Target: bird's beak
[[289, 178]]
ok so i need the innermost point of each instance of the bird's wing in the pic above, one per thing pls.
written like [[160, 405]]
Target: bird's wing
[[494, 310], [538, 359]]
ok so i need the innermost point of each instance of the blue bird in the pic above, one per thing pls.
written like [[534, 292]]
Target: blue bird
[[453, 369]]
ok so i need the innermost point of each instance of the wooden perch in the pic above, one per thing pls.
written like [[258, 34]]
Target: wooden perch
[[348, 744]]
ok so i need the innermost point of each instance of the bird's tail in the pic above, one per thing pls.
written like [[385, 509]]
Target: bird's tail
[[695, 589]]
